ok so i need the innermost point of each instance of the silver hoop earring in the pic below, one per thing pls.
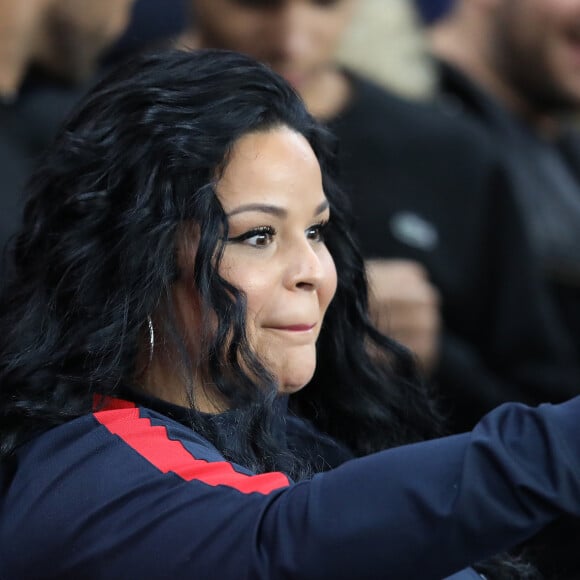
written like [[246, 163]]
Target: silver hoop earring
[[151, 340]]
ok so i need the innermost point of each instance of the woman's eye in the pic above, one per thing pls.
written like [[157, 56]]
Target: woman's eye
[[257, 237], [316, 232], [259, 240]]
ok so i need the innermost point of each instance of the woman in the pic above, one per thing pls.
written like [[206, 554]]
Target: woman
[[185, 336]]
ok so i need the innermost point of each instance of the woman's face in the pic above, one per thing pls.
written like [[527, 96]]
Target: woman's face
[[272, 193]]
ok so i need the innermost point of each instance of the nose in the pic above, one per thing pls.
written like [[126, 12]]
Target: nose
[[305, 269], [293, 35]]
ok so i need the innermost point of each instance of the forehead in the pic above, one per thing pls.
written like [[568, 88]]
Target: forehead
[[276, 166]]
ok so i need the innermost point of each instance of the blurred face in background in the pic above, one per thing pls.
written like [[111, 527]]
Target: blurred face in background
[[536, 47], [19, 23], [297, 38], [80, 31]]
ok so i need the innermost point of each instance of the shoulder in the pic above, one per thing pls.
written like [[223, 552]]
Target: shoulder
[[98, 483], [152, 443], [123, 451]]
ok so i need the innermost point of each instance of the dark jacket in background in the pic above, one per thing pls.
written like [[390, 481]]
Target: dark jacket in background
[[545, 179], [546, 182], [429, 186]]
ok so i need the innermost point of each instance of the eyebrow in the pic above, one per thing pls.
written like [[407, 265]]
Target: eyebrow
[[273, 209]]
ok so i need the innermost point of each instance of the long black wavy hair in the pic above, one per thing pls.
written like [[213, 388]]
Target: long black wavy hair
[[134, 166], [96, 256]]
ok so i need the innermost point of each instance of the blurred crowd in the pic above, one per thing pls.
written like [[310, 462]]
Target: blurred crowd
[[457, 146]]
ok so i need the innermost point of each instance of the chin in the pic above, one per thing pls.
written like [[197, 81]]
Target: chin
[[293, 370], [295, 383], [290, 389]]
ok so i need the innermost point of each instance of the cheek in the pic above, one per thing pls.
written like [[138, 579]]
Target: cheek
[[259, 293], [328, 38], [333, 26], [256, 282]]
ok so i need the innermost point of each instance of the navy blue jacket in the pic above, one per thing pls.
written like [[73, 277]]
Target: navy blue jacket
[[129, 492]]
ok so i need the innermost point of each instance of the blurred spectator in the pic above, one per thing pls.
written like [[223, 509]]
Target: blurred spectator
[[49, 51], [514, 68], [62, 37], [426, 187]]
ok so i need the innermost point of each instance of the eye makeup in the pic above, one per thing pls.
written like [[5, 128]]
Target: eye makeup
[[257, 237]]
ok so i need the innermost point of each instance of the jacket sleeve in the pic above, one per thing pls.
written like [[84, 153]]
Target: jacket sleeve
[[124, 506]]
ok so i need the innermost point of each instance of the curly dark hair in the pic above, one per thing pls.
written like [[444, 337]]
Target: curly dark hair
[[134, 166], [96, 255]]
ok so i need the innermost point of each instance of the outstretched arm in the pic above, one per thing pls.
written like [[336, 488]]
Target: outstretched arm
[[137, 494]]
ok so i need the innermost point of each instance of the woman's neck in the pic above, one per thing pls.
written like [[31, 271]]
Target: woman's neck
[[172, 387]]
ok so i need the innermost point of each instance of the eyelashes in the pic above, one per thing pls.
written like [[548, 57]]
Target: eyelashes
[[263, 236], [257, 237], [316, 232]]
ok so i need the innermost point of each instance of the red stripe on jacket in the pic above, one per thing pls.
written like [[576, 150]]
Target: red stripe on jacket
[[122, 418]]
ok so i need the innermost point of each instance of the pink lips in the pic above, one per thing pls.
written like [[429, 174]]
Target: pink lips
[[296, 327]]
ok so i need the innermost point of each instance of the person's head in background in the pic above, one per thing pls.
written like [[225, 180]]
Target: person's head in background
[[525, 52], [64, 38], [297, 38]]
